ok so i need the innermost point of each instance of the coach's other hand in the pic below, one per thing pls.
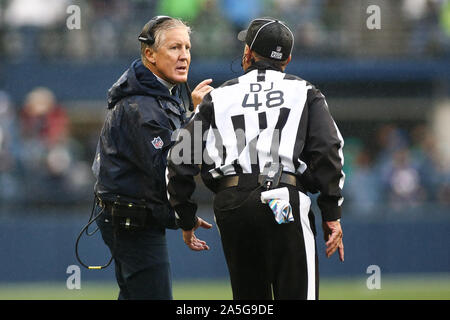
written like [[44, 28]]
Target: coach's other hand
[[332, 234], [192, 241], [201, 90]]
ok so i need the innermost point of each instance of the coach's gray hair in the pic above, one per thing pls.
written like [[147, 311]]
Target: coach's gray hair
[[159, 32]]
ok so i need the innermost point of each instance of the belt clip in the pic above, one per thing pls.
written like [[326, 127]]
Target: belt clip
[[271, 175]]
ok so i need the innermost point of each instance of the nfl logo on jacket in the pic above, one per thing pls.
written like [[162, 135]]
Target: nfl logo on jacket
[[157, 142]]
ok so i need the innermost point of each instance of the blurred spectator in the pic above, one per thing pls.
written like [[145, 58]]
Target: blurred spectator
[[305, 19], [9, 151], [424, 158], [335, 32], [42, 118], [186, 10], [240, 13], [405, 188], [404, 163], [389, 139], [353, 146], [108, 19], [422, 16], [37, 13], [289, 11], [433, 169], [443, 192], [362, 187], [52, 168], [30, 18], [219, 40], [324, 27], [405, 172]]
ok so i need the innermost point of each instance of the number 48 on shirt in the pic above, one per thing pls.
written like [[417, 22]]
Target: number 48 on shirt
[[272, 98]]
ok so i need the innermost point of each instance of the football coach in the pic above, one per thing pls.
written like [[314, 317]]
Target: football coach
[[144, 108], [268, 140]]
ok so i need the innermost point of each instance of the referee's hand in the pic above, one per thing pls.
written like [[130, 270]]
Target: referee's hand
[[332, 234], [192, 241]]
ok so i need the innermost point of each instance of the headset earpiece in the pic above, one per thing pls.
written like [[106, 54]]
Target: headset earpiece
[[147, 36]]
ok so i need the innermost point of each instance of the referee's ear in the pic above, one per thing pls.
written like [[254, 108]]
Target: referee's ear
[[246, 57], [286, 62], [247, 51]]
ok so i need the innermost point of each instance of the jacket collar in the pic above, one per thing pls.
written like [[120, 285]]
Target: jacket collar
[[138, 80], [262, 65]]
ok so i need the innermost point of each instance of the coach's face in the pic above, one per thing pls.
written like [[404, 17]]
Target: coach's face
[[172, 59]]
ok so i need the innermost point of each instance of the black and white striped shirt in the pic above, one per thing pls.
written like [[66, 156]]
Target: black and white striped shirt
[[263, 116]]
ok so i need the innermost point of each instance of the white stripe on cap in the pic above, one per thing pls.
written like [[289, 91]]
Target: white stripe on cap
[[264, 25], [270, 22]]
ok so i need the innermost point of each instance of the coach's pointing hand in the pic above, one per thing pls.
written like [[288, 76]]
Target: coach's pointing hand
[[332, 233], [192, 241], [201, 90]]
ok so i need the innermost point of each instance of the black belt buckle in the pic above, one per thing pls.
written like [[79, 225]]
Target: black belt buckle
[[271, 175], [129, 216]]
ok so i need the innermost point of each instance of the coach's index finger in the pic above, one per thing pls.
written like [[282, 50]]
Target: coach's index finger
[[204, 83], [200, 91]]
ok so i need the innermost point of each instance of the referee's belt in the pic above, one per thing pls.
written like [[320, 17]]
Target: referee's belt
[[251, 179]]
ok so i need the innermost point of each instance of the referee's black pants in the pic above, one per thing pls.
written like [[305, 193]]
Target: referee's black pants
[[267, 260]]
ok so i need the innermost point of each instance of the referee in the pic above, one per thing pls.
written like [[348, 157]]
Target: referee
[[261, 142]]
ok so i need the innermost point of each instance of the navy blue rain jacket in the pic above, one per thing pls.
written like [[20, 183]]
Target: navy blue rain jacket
[[131, 156]]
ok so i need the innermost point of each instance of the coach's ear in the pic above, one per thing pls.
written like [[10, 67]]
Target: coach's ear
[[150, 55]]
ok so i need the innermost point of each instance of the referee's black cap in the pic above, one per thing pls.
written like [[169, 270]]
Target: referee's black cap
[[269, 38]]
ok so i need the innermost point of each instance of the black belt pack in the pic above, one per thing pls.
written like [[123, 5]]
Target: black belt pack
[[129, 216], [271, 175]]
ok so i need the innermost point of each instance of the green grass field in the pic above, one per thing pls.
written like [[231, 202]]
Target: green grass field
[[411, 287]]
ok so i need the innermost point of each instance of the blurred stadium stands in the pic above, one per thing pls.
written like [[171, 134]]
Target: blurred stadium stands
[[387, 88]]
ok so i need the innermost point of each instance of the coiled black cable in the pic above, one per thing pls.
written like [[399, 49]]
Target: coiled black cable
[[85, 229]]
